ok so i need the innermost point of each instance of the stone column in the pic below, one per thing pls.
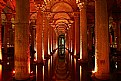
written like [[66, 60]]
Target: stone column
[[67, 40], [76, 48], [50, 39], [118, 35], [39, 29], [54, 40], [0, 36], [31, 42], [67, 46], [101, 40], [90, 39], [76, 19], [45, 42], [5, 39], [83, 32], [45, 35], [73, 38], [22, 46]]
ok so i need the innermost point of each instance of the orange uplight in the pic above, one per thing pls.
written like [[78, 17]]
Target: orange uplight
[[13, 71], [80, 53], [31, 72], [96, 66], [75, 52], [35, 60], [48, 47], [93, 72], [35, 56]]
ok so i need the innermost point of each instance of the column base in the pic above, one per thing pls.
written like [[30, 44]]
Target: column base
[[27, 79], [104, 76]]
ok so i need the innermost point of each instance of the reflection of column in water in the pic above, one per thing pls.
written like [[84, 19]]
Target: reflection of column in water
[[51, 70], [80, 73], [0, 72], [51, 60], [39, 72], [71, 60], [75, 69], [71, 63], [49, 65], [36, 73], [43, 73]]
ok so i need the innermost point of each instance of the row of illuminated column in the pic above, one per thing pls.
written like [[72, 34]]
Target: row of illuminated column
[[45, 40], [79, 37], [45, 37], [77, 44]]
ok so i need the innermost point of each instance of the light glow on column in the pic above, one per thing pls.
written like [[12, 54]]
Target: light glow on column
[[0, 54], [29, 65], [75, 48], [43, 54], [71, 46], [51, 46], [96, 67], [48, 46], [75, 52], [71, 60], [80, 52]]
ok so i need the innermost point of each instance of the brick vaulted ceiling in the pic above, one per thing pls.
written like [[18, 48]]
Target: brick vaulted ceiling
[[62, 10]]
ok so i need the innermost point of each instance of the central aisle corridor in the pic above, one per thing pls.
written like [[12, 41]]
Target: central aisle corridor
[[61, 72]]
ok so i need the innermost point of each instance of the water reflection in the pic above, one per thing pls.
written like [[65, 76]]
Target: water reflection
[[0, 72], [43, 73], [80, 72]]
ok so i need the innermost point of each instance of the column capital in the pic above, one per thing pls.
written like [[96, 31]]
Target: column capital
[[82, 5], [2, 4]]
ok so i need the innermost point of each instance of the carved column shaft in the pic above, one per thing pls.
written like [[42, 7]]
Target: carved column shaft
[[73, 37], [83, 31], [45, 42], [39, 29], [0, 36], [22, 47], [45, 36], [101, 40], [76, 19]]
